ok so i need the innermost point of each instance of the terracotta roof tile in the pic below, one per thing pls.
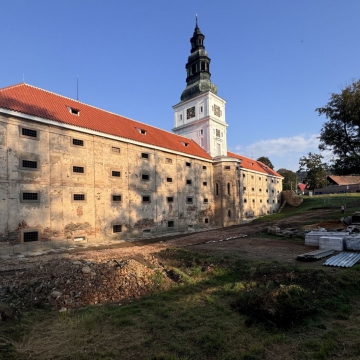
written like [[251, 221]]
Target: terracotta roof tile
[[254, 165], [34, 101]]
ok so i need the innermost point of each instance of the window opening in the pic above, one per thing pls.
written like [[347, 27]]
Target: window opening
[[146, 198], [228, 188], [78, 142], [216, 189], [116, 198], [117, 228], [145, 177], [169, 179], [229, 214], [189, 199], [206, 220], [31, 236], [168, 161], [145, 155], [170, 223], [170, 199], [29, 132], [188, 182], [204, 167], [78, 169], [206, 201], [29, 164], [227, 167], [115, 149], [115, 173], [29, 196], [205, 183], [79, 197], [188, 164]]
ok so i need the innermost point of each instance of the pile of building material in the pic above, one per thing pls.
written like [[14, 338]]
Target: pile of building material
[[288, 232], [344, 259], [326, 239]]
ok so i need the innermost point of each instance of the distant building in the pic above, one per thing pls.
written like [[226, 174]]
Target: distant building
[[73, 172], [340, 184]]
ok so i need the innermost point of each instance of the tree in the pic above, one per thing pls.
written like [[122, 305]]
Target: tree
[[316, 170], [266, 161], [290, 179], [341, 133]]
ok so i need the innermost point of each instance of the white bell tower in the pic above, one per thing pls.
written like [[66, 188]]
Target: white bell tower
[[200, 115]]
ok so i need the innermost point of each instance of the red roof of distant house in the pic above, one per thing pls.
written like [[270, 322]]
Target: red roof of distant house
[[254, 165], [302, 187], [27, 99], [344, 180]]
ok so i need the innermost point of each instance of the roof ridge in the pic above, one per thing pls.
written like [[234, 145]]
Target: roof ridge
[[12, 86]]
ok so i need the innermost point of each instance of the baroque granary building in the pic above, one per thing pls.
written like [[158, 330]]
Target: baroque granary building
[[73, 172]]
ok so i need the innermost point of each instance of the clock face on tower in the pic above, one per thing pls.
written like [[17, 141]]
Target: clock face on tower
[[217, 110], [190, 112]]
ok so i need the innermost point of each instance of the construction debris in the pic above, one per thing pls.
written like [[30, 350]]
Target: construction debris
[[344, 259], [315, 255], [288, 232]]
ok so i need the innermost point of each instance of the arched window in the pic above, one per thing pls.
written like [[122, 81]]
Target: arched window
[[202, 66], [193, 69], [228, 189], [216, 189], [229, 214]]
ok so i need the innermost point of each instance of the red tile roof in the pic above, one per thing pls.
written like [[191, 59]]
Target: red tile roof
[[251, 164], [31, 100], [344, 180]]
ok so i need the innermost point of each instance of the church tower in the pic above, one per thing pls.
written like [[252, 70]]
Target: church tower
[[200, 115]]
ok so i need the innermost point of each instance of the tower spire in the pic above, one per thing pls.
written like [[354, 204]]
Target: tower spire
[[198, 67]]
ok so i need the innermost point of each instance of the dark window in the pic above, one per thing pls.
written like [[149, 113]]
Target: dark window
[[229, 214], [188, 182], [204, 167], [228, 189], [116, 198], [29, 164], [30, 196], [170, 199], [272, 180], [206, 201], [31, 236], [205, 183], [189, 199], [115, 173], [79, 197], [188, 164], [146, 230], [267, 190], [252, 176], [261, 200], [273, 201], [227, 167], [145, 177], [259, 178], [168, 161], [117, 228], [260, 190], [146, 198], [145, 155], [78, 142], [170, 223], [206, 220], [29, 132], [252, 189], [185, 143], [78, 169], [74, 111], [169, 179], [253, 200], [272, 191], [115, 150], [244, 188], [216, 189], [245, 200], [243, 175]]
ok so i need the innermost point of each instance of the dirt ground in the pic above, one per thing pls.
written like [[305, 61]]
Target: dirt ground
[[248, 240]]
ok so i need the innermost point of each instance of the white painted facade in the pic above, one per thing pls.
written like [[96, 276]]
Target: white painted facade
[[203, 119]]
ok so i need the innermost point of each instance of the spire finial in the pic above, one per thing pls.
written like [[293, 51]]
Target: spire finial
[[196, 20]]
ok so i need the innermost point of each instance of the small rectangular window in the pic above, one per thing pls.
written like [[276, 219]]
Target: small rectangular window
[[189, 199], [79, 197], [227, 167], [146, 198], [206, 220], [204, 167], [201, 110], [170, 199], [170, 223], [144, 155], [141, 131], [180, 116], [243, 175], [168, 161], [116, 198], [30, 196], [206, 201], [79, 169], [78, 142], [145, 177], [252, 189], [205, 183], [115, 150], [201, 132], [188, 164], [169, 179], [115, 173], [29, 164], [259, 178], [188, 182], [30, 236], [29, 132], [244, 188], [217, 133], [117, 228]]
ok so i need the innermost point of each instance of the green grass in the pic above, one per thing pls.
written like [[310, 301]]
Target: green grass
[[332, 201], [222, 307]]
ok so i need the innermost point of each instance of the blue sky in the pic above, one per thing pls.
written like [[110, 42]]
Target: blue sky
[[274, 61]]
